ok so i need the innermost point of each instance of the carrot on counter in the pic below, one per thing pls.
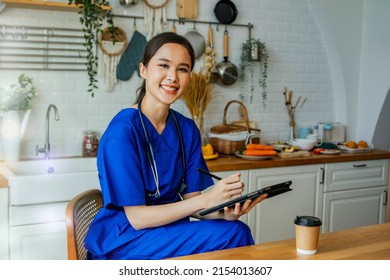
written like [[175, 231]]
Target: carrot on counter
[[258, 147], [259, 152]]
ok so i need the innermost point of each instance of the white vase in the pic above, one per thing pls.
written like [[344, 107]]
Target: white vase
[[12, 131]]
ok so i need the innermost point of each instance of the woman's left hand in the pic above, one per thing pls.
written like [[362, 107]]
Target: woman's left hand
[[232, 214]]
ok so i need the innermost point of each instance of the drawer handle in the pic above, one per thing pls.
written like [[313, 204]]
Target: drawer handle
[[322, 176], [360, 165], [385, 200]]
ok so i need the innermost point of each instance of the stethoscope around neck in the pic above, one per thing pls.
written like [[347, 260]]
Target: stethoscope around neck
[[152, 159]]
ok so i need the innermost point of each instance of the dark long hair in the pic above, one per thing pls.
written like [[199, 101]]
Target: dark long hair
[[154, 45]]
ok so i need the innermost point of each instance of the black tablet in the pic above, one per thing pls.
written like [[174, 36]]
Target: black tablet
[[271, 190]]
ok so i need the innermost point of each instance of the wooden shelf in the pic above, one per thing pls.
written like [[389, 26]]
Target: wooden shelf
[[45, 5]]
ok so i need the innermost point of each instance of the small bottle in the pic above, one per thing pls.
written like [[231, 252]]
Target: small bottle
[[255, 52], [327, 133], [315, 129], [90, 143]]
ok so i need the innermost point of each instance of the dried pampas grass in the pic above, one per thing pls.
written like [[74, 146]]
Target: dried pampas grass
[[197, 96]]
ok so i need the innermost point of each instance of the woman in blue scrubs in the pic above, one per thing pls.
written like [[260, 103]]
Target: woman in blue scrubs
[[147, 163]]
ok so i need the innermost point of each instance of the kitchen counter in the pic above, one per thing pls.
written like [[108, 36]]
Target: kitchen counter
[[231, 162]]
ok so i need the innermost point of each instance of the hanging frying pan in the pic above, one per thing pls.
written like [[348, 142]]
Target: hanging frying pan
[[225, 11], [228, 71]]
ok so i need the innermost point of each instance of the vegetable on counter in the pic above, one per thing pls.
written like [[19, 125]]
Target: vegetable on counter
[[318, 151], [258, 147], [259, 152]]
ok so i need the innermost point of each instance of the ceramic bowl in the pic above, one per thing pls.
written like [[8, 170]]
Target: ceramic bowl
[[304, 144]]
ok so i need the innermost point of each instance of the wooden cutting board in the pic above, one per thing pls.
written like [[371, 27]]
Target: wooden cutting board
[[297, 154], [187, 8]]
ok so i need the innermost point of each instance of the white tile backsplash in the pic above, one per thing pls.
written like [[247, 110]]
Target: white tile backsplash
[[297, 60]]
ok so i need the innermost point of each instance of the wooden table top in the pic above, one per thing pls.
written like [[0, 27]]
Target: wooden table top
[[363, 243]]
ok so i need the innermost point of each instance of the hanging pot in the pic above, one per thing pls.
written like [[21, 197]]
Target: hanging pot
[[228, 71], [197, 41], [225, 11], [128, 2]]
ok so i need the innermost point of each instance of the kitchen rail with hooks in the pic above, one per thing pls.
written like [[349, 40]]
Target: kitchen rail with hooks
[[184, 21], [41, 48]]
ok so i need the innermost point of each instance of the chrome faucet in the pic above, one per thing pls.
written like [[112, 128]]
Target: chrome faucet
[[46, 148]]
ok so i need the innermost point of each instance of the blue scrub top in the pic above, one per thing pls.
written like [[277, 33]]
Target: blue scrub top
[[126, 177]]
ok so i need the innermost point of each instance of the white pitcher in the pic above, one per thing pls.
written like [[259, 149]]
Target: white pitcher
[[315, 137], [12, 131]]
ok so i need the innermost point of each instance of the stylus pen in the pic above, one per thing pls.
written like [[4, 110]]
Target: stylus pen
[[208, 173]]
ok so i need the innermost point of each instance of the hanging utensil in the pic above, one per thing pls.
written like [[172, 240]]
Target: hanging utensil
[[208, 59], [214, 73], [197, 41], [225, 11], [187, 9], [228, 72]]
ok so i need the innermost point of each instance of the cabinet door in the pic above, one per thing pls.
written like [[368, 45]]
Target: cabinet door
[[4, 243], [353, 208], [38, 242], [273, 219], [355, 175]]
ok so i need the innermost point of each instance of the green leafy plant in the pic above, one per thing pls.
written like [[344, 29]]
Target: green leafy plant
[[19, 95], [92, 17], [254, 56]]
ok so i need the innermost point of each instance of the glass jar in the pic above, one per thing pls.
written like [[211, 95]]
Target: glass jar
[[327, 138], [90, 143]]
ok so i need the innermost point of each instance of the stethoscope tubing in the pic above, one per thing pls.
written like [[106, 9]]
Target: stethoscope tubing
[[152, 158]]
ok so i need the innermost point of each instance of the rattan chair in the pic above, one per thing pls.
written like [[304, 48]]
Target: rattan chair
[[79, 214]]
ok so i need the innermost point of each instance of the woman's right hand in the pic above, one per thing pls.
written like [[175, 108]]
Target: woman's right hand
[[225, 189]]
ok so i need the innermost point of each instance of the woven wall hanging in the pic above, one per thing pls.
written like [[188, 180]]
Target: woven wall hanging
[[109, 55], [155, 14]]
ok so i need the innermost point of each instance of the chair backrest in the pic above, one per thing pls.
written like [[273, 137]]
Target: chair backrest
[[80, 211]]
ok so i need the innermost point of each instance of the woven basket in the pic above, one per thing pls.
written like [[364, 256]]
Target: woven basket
[[220, 134]]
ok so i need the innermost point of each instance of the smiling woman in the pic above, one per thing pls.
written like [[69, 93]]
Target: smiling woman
[[147, 162]]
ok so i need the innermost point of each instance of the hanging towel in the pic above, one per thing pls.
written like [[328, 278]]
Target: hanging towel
[[132, 57]]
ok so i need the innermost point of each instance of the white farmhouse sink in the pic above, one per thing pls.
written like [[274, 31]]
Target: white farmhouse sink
[[48, 181]]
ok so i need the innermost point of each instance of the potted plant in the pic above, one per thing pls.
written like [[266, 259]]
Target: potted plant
[[254, 59], [15, 109], [18, 96], [92, 15]]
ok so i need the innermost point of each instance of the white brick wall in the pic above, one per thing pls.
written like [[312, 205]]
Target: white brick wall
[[297, 60]]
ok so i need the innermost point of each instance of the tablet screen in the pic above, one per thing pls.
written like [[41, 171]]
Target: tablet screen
[[271, 191]]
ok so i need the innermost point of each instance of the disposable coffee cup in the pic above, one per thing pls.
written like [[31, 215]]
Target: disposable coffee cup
[[307, 232]]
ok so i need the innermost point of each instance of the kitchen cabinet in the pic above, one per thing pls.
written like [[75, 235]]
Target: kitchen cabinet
[[343, 195], [37, 232], [45, 241], [35, 202], [355, 194], [4, 241], [273, 219]]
